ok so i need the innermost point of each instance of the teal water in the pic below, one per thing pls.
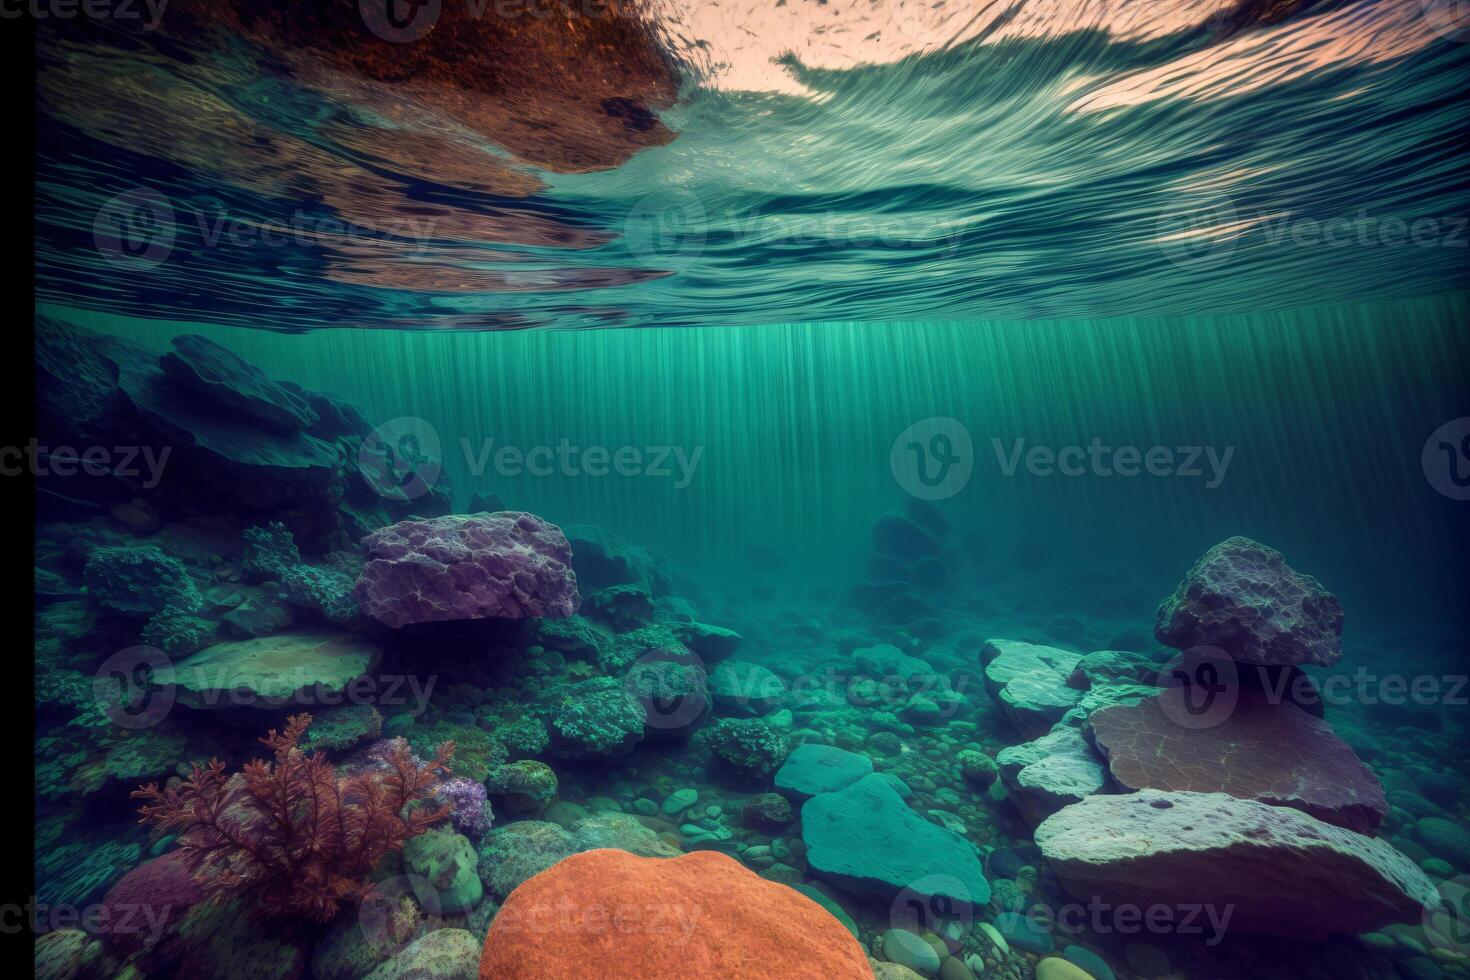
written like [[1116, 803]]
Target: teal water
[[688, 409]]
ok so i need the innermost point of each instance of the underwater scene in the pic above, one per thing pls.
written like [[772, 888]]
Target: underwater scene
[[726, 490]]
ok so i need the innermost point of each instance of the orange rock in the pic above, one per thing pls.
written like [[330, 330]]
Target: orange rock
[[702, 916]]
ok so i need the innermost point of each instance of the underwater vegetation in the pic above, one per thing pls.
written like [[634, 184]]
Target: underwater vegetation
[[500, 747]]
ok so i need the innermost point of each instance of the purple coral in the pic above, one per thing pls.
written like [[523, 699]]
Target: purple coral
[[469, 809]]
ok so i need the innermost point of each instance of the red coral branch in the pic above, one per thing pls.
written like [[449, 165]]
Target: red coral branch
[[294, 831]]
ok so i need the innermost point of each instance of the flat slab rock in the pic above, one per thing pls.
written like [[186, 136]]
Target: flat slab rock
[[865, 839], [1048, 773], [266, 671], [1275, 753], [1030, 683], [1271, 869], [223, 377], [813, 768], [1243, 598], [467, 566]]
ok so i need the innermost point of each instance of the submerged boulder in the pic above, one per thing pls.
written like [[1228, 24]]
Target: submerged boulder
[[1243, 598], [217, 375], [1274, 753], [1030, 683], [743, 927], [866, 839], [602, 559], [267, 671], [815, 768], [510, 564], [1273, 869], [1048, 773], [595, 718]]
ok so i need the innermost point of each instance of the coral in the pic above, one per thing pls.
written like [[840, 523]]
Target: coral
[[294, 832], [978, 768], [596, 718], [526, 786], [749, 927], [325, 590], [752, 747], [469, 808], [174, 631], [623, 607], [269, 551], [140, 581], [149, 900]]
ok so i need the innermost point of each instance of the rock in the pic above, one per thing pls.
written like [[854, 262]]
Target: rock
[[1258, 750], [268, 671], [978, 768], [444, 954], [622, 831], [907, 949], [58, 954], [711, 644], [522, 788], [1147, 960], [675, 696], [1023, 932], [1029, 682], [1243, 598], [139, 581], [217, 375], [259, 614], [865, 838], [602, 559], [514, 852], [1048, 773], [745, 688], [1442, 788], [748, 928], [751, 747], [1057, 968], [768, 811], [448, 862], [595, 718], [1282, 871], [892, 971], [1445, 838], [679, 800], [621, 607], [1092, 964], [510, 564], [814, 768], [230, 940], [340, 727], [888, 664]]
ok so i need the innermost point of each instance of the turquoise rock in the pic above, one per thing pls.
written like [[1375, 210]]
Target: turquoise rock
[[908, 949], [814, 768], [1021, 932], [680, 800], [449, 863], [865, 839], [1088, 960], [1445, 839]]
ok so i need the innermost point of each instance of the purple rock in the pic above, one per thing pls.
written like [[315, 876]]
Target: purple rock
[[1243, 598], [467, 566]]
